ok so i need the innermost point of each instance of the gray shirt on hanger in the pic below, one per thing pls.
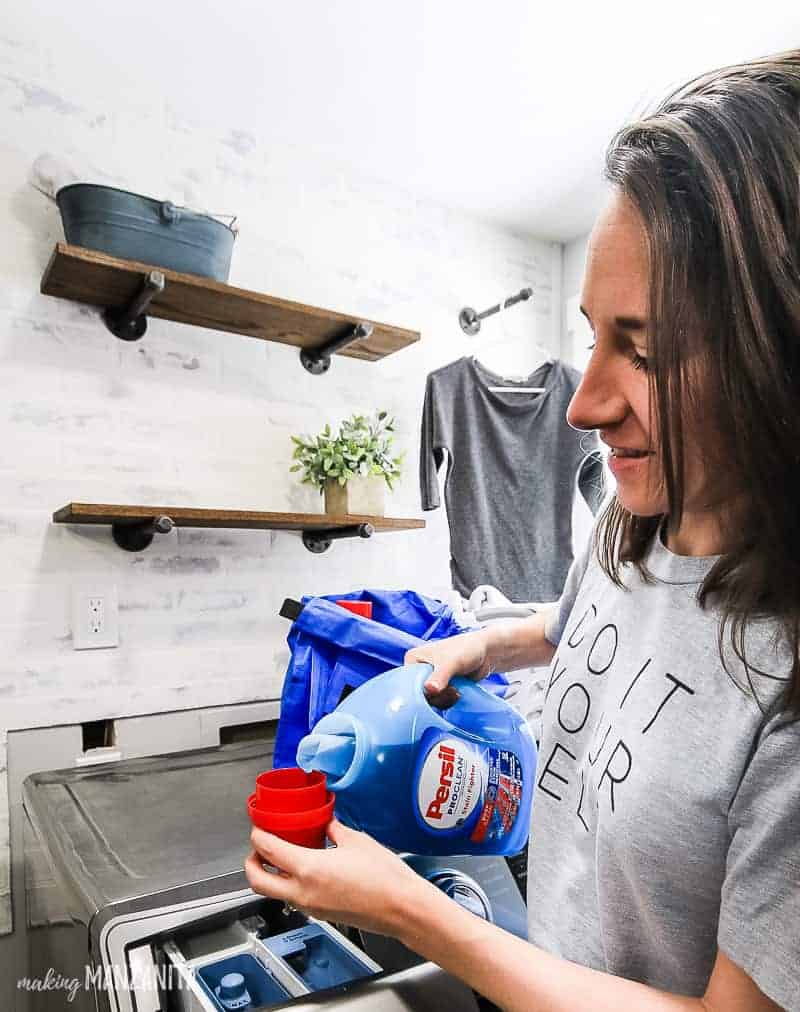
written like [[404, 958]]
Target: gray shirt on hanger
[[512, 464]]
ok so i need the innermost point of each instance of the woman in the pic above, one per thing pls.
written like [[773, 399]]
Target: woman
[[664, 861]]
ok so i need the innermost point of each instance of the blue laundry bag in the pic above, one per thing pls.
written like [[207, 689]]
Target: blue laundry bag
[[334, 651]]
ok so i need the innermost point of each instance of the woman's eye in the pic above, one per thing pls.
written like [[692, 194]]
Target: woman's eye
[[637, 361]]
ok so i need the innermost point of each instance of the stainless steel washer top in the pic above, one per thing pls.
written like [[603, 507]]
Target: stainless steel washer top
[[147, 826]]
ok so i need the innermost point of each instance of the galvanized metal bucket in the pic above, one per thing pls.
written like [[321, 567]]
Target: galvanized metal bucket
[[134, 227]]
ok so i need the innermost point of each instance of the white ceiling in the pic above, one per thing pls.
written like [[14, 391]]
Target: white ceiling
[[501, 109]]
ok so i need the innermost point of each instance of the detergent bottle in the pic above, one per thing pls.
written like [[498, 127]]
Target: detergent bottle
[[427, 780]]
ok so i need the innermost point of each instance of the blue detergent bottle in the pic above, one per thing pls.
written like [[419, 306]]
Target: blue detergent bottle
[[425, 780]]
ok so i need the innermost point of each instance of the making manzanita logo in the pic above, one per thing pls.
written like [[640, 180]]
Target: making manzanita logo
[[107, 978], [52, 981]]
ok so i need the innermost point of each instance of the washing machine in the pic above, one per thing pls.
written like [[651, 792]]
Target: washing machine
[[136, 901]]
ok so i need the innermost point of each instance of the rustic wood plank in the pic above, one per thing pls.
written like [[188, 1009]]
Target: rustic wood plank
[[97, 279], [187, 516]]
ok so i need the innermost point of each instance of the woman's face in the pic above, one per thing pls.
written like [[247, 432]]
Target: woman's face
[[613, 395]]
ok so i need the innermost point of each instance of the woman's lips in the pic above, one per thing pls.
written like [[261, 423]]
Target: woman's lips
[[623, 461]]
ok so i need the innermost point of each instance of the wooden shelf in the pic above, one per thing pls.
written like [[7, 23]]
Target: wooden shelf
[[189, 516], [317, 528], [97, 279]]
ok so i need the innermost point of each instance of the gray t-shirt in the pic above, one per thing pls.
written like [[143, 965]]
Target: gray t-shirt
[[666, 817], [511, 476]]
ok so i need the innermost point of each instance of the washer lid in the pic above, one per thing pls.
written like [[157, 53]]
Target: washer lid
[[143, 826]]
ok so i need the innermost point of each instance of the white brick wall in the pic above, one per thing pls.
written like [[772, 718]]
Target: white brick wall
[[196, 417]]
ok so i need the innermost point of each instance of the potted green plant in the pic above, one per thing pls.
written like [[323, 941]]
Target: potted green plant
[[351, 467]]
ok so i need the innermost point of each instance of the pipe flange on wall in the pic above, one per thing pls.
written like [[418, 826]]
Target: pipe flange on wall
[[130, 322], [320, 541], [135, 537], [318, 360]]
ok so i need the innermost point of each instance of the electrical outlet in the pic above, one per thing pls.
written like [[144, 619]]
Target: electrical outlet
[[94, 618], [96, 623]]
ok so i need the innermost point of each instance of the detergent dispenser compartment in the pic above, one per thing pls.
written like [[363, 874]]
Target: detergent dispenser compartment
[[317, 958], [259, 955], [240, 982]]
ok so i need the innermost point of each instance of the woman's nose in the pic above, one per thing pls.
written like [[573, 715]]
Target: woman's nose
[[599, 401]]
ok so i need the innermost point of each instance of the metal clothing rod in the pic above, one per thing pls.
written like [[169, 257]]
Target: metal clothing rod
[[517, 390], [471, 321]]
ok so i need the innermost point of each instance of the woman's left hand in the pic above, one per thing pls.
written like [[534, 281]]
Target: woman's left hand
[[357, 882]]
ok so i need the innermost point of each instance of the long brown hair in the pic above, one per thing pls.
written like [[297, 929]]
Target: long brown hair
[[714, 172]]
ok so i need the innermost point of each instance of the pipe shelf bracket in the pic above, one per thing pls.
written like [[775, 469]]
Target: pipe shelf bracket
[[135, 537], [318, 360], [319, 541], [129, 323]]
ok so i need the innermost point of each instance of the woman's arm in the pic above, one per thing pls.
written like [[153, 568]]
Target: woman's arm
[[520, 977], [504, 646], [364, 884]]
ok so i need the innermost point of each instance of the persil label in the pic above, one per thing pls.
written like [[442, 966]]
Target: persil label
[[451, 783]]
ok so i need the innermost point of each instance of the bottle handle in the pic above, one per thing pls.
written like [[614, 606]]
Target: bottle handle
[[471, 689], [480, 712]]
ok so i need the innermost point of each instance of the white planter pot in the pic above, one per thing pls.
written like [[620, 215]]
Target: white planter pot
[[359, 495]]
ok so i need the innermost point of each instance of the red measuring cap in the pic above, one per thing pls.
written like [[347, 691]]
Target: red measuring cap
[[290, 790], [306, 829], [363, 608]]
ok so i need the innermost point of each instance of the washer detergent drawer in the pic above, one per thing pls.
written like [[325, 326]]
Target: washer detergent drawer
[[319, 958], [263, 971], [176, 958]]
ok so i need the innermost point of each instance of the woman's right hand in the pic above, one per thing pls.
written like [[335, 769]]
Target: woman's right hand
[[464, 654]]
